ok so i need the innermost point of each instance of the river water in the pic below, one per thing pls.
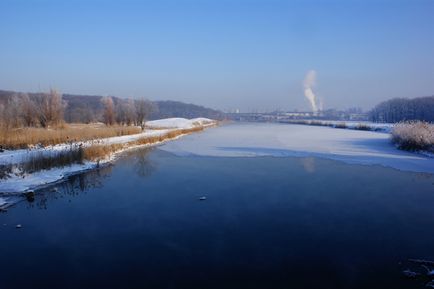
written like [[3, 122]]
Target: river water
[[267, 222]]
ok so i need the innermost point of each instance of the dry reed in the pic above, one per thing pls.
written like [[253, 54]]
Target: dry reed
[[27, 137], [98, 152]]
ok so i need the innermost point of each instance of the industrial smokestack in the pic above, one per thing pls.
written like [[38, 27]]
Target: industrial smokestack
[[309, 84]]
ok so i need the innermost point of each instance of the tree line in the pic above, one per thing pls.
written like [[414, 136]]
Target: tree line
[[48, 109], [404, 109]]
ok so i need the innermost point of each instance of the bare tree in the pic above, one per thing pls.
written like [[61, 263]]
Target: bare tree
[[143, 110], [56, 107], [403, 109], [49, 108], [12, 112], [42, 106], [28, 110], [130, 112], [3, 116], [126, 112], [109, 111]]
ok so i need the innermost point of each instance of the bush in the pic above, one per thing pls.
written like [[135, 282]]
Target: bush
[[316, 123], [362, 126], [415, 135], [341, 125]]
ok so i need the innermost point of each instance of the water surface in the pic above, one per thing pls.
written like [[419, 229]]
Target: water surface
[[266, 223]]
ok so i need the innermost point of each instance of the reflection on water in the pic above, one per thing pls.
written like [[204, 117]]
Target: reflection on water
[[71, 187], [143, 165], [82, 182], [308, 164]]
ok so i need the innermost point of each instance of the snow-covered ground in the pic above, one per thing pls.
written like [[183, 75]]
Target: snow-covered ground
[[19, 182], [179, 123], [268, 139], [374, 126], [383, 127], [163, 126]]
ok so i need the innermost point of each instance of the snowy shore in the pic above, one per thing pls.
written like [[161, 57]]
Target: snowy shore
[[19, 182], [356, 125]]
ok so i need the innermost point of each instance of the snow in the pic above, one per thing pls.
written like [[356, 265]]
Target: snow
[[374, 126], [18, 183], [179, 123], [384, 127], [280, 140], [19, 156]]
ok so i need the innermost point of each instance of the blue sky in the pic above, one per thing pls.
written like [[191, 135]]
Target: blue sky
[[247, 54]]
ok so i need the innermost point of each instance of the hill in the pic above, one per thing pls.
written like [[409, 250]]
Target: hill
[[87, 108]]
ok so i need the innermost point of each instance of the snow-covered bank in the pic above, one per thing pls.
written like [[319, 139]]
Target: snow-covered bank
[[164, 126], [357, 125], [19, 182], [179, 123], [268, 139]]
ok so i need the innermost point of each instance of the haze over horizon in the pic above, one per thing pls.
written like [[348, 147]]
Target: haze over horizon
[[240, 54]]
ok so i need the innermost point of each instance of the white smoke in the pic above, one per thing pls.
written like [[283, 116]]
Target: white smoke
[[309, 83]]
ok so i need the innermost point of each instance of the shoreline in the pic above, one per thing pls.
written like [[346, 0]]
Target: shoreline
[[18, 183]]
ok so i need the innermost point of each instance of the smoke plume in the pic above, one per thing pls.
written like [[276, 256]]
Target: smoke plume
[[309, 84]]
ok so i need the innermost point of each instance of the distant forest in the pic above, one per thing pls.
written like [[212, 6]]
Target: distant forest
[[404, 109], [38, 109]]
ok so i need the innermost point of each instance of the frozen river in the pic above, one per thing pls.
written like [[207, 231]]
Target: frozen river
[[267, 221], [268, 139]]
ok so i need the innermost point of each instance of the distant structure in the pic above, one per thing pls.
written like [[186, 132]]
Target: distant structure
[[283, 116]]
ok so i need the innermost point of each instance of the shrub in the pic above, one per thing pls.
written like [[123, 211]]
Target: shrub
[[341, 125], [415, 135], [362, 126], [316, 123]]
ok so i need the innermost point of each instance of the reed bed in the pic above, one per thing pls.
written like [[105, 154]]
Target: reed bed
[[78, 154], [98, 152], [21, 138]]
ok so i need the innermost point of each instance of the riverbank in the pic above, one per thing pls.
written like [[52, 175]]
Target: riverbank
[[17, 178], [355, 125]]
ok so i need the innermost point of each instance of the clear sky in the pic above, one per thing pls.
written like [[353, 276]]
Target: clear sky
[[226, 54]]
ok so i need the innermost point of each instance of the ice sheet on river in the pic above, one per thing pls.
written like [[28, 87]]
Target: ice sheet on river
[[351, 146]]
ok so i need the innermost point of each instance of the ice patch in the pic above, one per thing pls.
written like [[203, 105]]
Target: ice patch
[[280, 140]]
